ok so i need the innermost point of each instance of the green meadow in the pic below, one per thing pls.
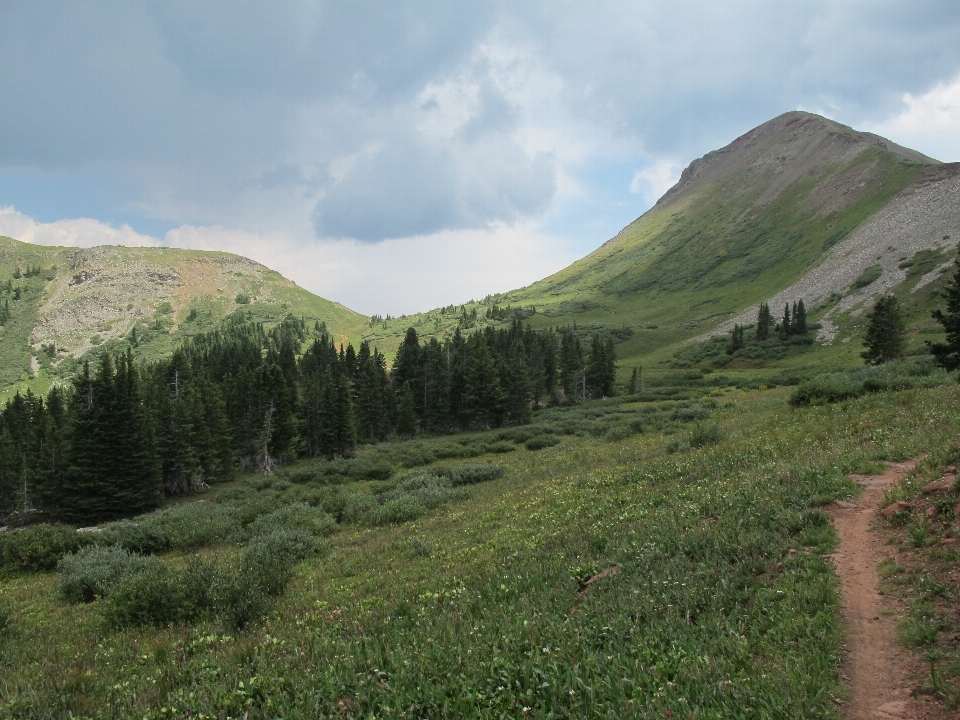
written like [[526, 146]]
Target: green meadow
[[636, 557]]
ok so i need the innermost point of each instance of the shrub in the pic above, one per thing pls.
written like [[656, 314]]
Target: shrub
[[704, 434], [838, 386], [397, 510], [687, 413], [97, 571], [151, 597], [244, 596], [201, 524], [540, 442], [498, 447], [145, 538], [39, 547], [618, 432], [470, 474], [868, 276], [296, 515], [413, 496]]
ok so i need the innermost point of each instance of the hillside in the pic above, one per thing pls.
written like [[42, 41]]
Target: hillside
[[799, 207], [799, 202], [73, 300]]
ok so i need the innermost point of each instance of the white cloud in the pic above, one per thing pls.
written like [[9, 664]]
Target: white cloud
[[655, 179], [396, 276], [929, 123], [80, 232]]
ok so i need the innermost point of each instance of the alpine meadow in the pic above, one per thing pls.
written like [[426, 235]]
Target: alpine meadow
[[629, 489]]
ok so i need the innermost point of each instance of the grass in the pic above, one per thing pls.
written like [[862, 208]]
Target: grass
[[478, 607]]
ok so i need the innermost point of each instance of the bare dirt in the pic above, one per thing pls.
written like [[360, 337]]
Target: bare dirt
[[883, 677]]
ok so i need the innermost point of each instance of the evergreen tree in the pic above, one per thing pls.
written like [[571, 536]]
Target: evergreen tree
[[113, 470], [885, 332], [519, 387], [571, 364], [736, 339], [406, 415], [799, 318], [764, 322], [785, 323], [947, 354]]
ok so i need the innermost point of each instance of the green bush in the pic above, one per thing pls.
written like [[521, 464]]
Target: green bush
[[499, 447], [158, 596], [201, 524], [145, 538], [150, 597], [540, 442], [704, 434], [39, 547], [868, 276], [470, 474], [97, 571], [296, 515], [856, 382], [398, 510], [412, 497], [244, 596], [688, 413], [618, 432]]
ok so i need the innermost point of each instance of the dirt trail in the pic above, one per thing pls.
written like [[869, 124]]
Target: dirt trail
[[878, 669]]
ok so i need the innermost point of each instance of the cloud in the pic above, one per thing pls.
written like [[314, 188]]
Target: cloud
[[654, 180], [450, 266], [81, 232], [379, 122], [930, 122]]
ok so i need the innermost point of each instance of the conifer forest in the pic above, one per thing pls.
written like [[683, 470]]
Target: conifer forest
[[124, 434]]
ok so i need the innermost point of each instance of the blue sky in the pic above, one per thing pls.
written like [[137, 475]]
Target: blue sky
[[397, 156]]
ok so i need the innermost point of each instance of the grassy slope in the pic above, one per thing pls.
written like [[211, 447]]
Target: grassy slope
[[709, 613], [208, 285], [716, 246]]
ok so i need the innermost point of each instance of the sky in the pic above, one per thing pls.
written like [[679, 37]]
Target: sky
[[397, 156]]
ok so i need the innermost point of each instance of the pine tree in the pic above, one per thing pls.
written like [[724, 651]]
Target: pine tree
[[947, 354], [785, 324], [764, 322], [799, 318], [406, 416], [736, 339], [519, 388], [885, 332], [113, 470], [634, 382]]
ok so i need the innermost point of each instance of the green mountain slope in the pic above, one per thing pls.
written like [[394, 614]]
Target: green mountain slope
[[799, 207], [67, 302], [743, 223]]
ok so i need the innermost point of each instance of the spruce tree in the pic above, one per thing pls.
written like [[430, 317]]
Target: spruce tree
[[406, 416], [785, 324], [764, 322], [947, 354], [885, 332], [799, 318]]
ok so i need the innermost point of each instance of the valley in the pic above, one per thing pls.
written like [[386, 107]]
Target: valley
[[581, 498]]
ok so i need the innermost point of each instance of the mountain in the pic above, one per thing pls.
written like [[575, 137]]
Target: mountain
[[66, 301], [798, 207]]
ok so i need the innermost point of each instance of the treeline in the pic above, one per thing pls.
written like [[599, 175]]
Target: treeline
[[123, 434]]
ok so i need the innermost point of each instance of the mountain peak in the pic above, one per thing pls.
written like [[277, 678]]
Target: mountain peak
[[783, 150]]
